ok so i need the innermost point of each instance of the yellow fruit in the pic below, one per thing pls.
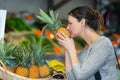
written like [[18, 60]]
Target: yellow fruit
[[22, 71], [63, 30], [43, 71], [56, 65], [33, 72]]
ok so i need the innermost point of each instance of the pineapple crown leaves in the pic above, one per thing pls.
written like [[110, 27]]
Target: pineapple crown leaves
[[25, 53], [52, 20], [6, 52], [25, 58], [37, 53], [40, 45], [39, 59], [35, 46], [47, 48], [44, 17], [18, 55], [32, 57]]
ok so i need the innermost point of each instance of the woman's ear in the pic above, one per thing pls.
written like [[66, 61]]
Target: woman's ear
[[82, 21]]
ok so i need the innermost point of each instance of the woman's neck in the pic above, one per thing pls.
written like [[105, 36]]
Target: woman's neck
[[90, 37]]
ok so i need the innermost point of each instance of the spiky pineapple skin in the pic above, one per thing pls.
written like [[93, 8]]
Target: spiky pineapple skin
[[44, 71], [22, 71], [33, 72], [63, 30]]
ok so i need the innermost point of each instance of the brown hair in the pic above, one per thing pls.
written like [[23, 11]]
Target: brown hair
[[93, 18]]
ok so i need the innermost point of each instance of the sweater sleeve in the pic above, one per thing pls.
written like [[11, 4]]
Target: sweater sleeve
[[97, 57], [70, 75]]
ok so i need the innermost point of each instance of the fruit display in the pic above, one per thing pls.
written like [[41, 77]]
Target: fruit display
[[56, 66], [27, 59], [6, 55]]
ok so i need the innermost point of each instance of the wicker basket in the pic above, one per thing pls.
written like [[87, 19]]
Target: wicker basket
[[7, 75]]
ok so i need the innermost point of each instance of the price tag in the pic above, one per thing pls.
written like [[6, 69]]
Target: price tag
[[2, 23]]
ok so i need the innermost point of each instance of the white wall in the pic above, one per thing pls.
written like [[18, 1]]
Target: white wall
[[22, 5], [72, 4], [34, 5]]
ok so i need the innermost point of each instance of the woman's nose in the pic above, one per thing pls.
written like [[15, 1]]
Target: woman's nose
[[67, 26]]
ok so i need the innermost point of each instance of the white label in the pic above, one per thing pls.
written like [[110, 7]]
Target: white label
[[2, 23]]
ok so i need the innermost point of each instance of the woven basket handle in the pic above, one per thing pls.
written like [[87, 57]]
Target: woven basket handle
[[2, 65], [4, 74]]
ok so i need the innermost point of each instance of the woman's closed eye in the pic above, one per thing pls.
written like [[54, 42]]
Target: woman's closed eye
[[69, 23]]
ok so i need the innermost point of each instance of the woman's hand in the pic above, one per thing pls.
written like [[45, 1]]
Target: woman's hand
[[65, 41], [71, 55]]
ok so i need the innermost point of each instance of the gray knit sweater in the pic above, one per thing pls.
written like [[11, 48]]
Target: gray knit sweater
[[99, 57]]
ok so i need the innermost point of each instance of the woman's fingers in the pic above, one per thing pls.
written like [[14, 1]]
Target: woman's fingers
[[62, 36], [59, 36]]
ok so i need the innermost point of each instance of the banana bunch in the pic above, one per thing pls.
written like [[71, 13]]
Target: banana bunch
[[56, 66]]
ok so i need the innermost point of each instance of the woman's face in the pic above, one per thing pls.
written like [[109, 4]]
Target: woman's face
[[74, 26]]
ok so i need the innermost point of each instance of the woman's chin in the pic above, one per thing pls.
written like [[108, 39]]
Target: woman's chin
[[72, 36]]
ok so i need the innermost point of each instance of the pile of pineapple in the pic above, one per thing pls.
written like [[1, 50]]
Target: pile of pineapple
[[28, 60], [24, 60]]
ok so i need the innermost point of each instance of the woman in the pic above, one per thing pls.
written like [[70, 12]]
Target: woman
[[96, 61]]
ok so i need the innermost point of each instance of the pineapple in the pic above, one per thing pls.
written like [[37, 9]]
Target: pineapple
[[23, 60], [33, 70], [42, 67], [22, 71], [62, 29], [38, 50], [52, 22], [44, 70], [6, 55]]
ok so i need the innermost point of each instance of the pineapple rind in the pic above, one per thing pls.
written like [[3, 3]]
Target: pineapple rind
[[22, 71], [44, 71], [33, 71]]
